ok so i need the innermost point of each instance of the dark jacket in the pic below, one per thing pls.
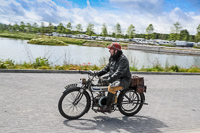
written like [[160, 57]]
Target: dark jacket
[[118, 68]]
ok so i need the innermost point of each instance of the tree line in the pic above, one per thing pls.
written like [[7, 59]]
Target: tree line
[[177, 32]]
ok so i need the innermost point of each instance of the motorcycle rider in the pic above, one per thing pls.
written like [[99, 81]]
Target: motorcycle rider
[[119, 74]]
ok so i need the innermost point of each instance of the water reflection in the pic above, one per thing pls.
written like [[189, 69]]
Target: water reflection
[[20, 51]]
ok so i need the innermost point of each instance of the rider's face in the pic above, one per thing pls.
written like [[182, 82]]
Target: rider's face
[[111, 51]]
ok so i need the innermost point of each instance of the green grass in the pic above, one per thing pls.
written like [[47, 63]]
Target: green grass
[[18, 35], [43, 63], [47, 41]]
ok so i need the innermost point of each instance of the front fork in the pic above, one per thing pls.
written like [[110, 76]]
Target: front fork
[[78, 97]]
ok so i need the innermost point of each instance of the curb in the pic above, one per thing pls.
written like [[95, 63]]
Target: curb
[[35, 71], [76, 72]]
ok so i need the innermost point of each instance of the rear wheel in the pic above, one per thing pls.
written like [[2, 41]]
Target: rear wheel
[[73, 104], [130, 102]]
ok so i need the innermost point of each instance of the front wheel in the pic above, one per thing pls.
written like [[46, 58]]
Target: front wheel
[[130, 102], [73, 104]]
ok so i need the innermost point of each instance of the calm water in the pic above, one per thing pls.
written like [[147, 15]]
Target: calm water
[[20, 51]]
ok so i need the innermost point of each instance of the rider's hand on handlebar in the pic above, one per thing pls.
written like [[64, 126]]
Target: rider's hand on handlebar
[[96, 73]]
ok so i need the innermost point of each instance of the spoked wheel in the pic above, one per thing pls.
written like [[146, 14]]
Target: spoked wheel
[[130, 102], [73, 104]]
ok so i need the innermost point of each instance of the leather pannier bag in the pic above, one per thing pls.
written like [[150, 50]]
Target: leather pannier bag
[[138, 82]]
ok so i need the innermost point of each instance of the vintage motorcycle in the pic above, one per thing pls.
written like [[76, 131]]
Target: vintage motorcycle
[[78, 98]]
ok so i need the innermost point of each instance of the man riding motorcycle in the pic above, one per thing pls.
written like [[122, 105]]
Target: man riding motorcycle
[[119, 74]]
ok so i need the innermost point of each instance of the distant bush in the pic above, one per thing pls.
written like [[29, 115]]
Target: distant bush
[[47, 41]]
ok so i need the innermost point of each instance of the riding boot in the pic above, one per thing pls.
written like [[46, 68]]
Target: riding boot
[[110, 99]]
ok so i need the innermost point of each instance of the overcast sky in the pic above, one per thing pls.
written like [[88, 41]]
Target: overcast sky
[[161, 13]]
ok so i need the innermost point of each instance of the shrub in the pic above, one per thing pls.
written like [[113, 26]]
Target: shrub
[[39, 62], [7, 64], [175, 68]]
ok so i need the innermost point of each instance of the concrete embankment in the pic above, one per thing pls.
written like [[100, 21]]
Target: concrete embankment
[[164, 49]]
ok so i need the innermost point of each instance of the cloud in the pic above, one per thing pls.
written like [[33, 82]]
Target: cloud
[[49, 11]]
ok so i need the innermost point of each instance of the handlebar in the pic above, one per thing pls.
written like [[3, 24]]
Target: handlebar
[[87, 72]]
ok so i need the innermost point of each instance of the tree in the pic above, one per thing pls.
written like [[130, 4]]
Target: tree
[[69, 27], [35, 28], [197, 37], [172, 37], [16, 27], [175, 31], [28, 27], [118, 30], [192, 38], [131, 31], [198, 29], [50, 28], [177, 27], [3, 27], [42, 28], [149, 31], [60, 28], [155, 35], [104, 30], [113, 34], [90, 29], [184, 35], [79, 28], [22, 26]]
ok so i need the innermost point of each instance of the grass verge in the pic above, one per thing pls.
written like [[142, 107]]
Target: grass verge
[[43, 63]]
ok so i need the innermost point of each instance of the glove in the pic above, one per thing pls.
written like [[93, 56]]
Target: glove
[[96, 74]]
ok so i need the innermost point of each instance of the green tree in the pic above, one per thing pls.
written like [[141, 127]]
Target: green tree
[[192, 38], [197, 37], [90, 29], [198, 29], [79, 28], [155, 36], [69, 27], [28, 27], [118, 30], [22, 26], [50, 28], [16, 27], [113, 34], [10, 28], [184, 35], [3, 27], [42, 28], [35, 28], [177, 28], [60, 28], [104, 30], [175, 31], [131, 31], [149, 31]]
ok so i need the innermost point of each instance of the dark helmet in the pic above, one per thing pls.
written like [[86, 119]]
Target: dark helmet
[[115, 46]]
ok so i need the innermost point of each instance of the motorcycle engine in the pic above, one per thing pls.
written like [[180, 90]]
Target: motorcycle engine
[[100, 101]]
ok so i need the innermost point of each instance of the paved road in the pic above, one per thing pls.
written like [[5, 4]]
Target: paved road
[[28, 104]]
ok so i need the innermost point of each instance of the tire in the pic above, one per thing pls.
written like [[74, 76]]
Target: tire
[[129, 97], [71, 110]]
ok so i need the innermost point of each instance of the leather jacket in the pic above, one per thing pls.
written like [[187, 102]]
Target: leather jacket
[[118, 69]]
